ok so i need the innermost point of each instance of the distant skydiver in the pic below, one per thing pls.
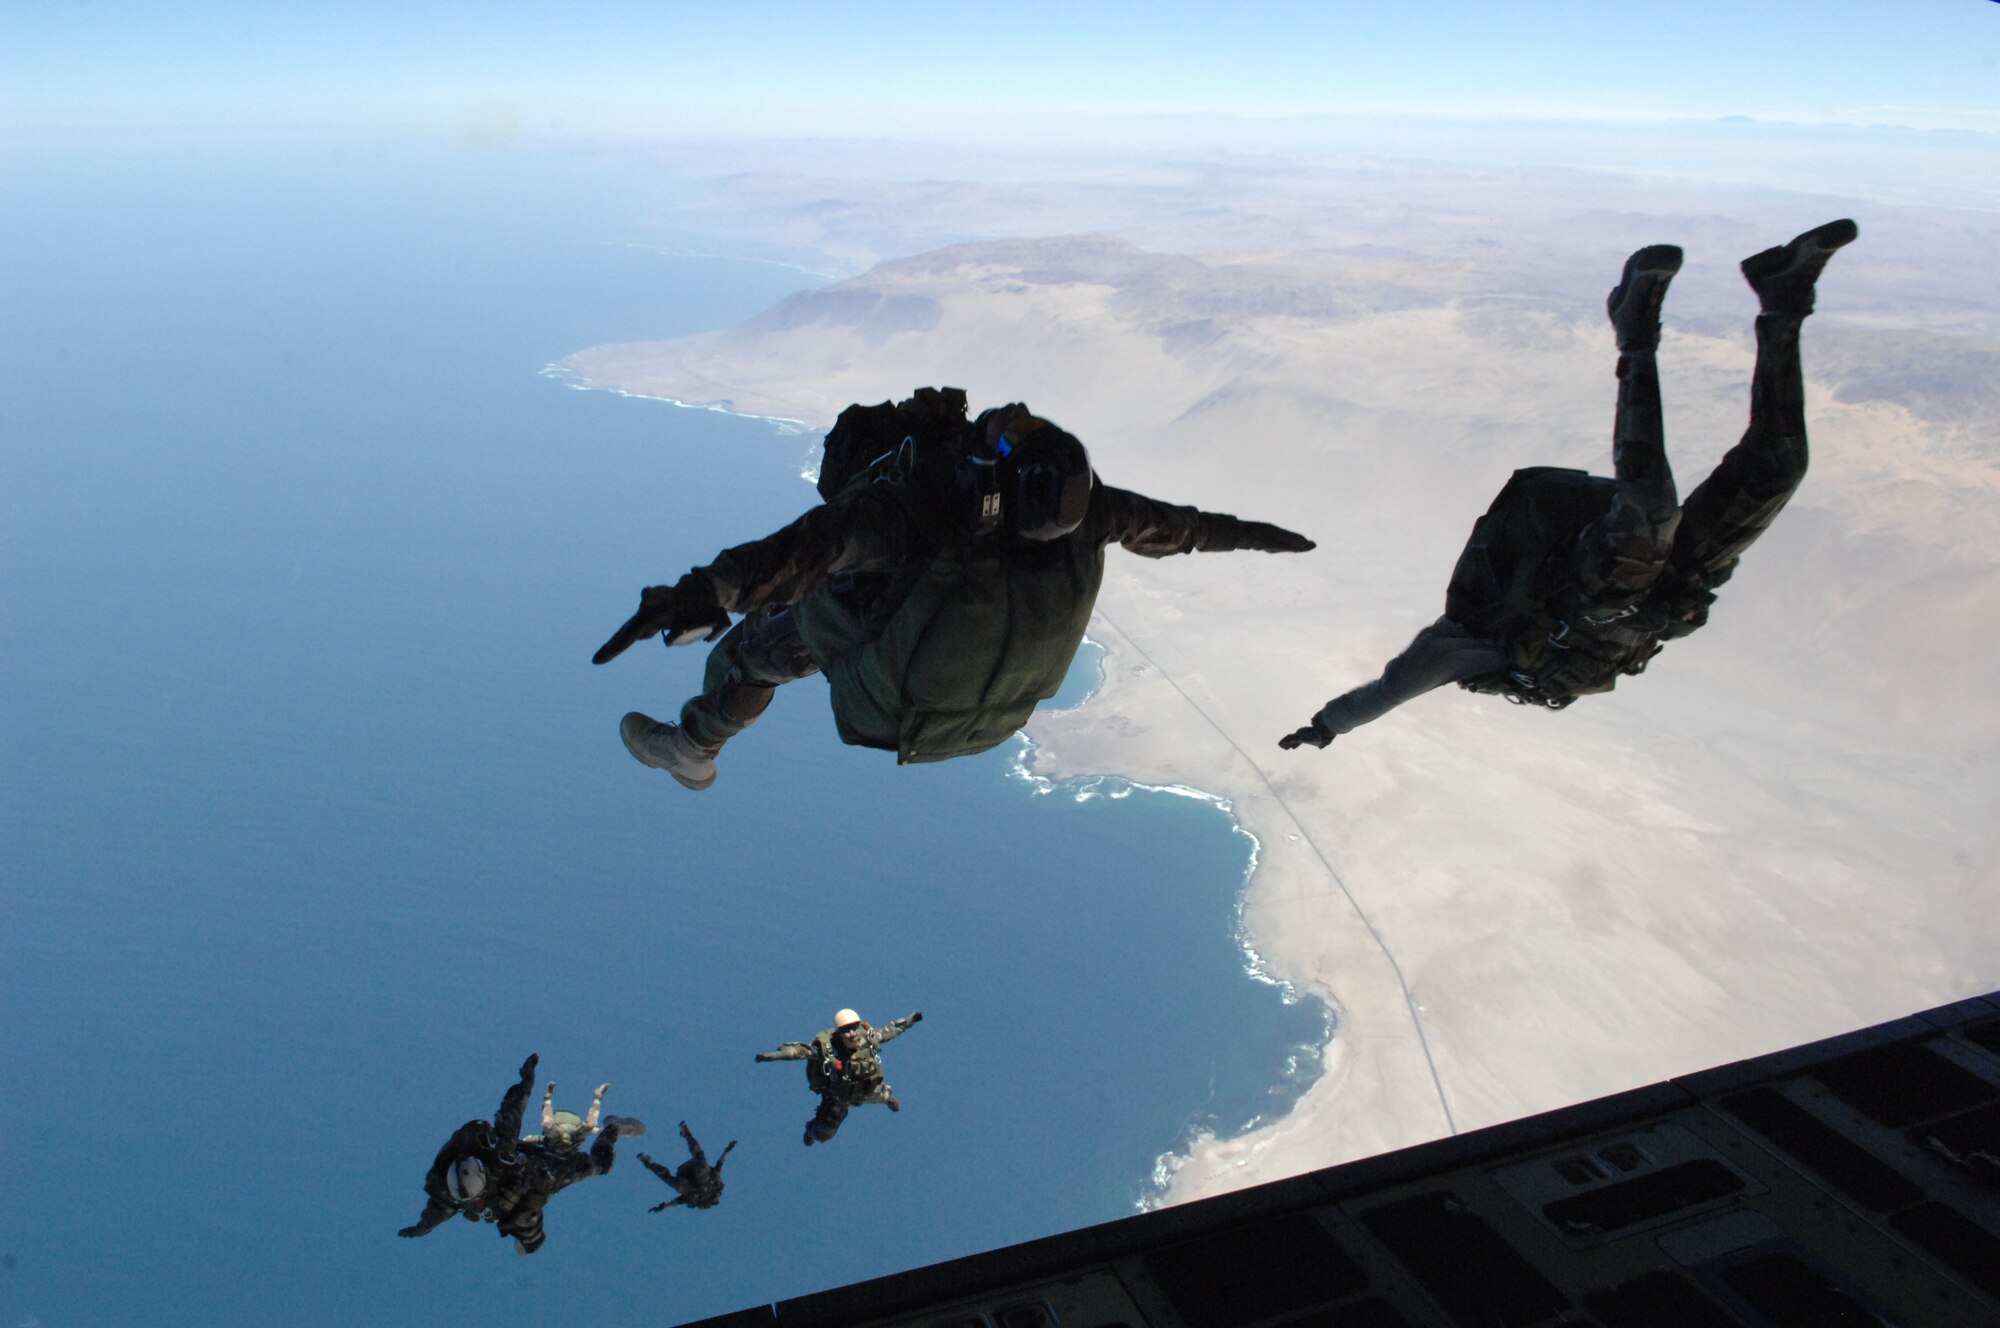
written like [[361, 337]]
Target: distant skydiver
[[565, 1130], [844, 1066], [697, 1184], [944, 585], [1571, 579], [486, 1172]]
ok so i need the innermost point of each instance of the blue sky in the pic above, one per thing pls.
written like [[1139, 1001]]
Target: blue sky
[[941, 70]]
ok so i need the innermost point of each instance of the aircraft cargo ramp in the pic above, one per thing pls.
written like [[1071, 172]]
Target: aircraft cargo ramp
[[1854, 1181]]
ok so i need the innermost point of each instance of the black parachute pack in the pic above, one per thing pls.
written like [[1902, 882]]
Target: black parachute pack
[[869, 438], [1515, 583]]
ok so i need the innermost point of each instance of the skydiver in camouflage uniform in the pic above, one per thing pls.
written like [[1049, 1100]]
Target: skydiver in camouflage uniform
[[1571, 580], [844, 1066], [696, 1184], [565, 1130], [943, 586], [486, 1173]]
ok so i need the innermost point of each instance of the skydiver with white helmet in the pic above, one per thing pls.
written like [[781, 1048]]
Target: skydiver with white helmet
[[844, 1066], [486, 1173], [943, 586]]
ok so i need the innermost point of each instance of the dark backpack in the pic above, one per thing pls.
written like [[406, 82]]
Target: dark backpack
[[933, 417]]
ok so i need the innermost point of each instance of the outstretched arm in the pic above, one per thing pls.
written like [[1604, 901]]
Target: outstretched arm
[[1443, 652], [895, 1028], [513, 1106], [866, 532], [435, 1215], [787, 1051], [717, 1168], [646, 1161], [438, 1205], [1153, 529]]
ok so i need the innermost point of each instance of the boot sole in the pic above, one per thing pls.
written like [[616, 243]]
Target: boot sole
[[639, 755], [1657, 262], [1812, 249]]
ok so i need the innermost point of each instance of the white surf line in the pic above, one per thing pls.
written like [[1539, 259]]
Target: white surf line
[[1409, 1000]]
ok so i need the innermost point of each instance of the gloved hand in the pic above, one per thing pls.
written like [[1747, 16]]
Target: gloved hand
[[1311, 733], [686, 611], [1264, 537], [528, 1070], [763, 1056], [1221, 533], [916, 1017], [412, 1231]]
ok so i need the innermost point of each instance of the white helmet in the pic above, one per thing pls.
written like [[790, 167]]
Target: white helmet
[[466, 1180], [842, 1018]]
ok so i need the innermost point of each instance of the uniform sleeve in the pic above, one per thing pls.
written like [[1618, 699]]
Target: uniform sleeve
[[865, 533], [513, 1107], [1153, 529], [1147, 527], [790, 1051], [439, 1207], [1443, 652], [892, 1030]]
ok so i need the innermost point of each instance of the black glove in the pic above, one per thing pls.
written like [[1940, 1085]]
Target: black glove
[[686, 611], [1221, 533], [528, 1069], [1264, 537], [763, 1056], [916, 1017], [418, 1230], [1311, 733]]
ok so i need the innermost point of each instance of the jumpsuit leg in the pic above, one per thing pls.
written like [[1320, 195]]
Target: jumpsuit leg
[[753, 659], [826, 1121], [1624, 551], [694, 1149], [1757, 477]]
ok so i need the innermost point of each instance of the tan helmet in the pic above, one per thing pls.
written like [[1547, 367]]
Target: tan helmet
[[842, 1018]]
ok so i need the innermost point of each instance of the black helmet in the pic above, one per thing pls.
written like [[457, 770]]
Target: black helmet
[[1044, 478]]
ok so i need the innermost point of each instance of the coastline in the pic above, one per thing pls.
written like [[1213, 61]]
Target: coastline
[[1503, 913], [1203, 1146], [564, 376], [1137, 731], [1306, 1064]]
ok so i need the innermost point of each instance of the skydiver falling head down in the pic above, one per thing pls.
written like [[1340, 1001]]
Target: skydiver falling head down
[[943, 586], [486, 1173], [1571, 580], [844, 1066], [696, 1183]]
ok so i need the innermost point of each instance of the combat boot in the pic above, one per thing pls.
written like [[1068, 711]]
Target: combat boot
[[668, 747], [1634, 303], [1784, 277]]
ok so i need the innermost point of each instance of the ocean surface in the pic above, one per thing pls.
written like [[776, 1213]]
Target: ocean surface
[[314, 820]]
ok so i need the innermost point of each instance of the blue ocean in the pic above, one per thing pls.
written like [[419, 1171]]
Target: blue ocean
[[314, 820]]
